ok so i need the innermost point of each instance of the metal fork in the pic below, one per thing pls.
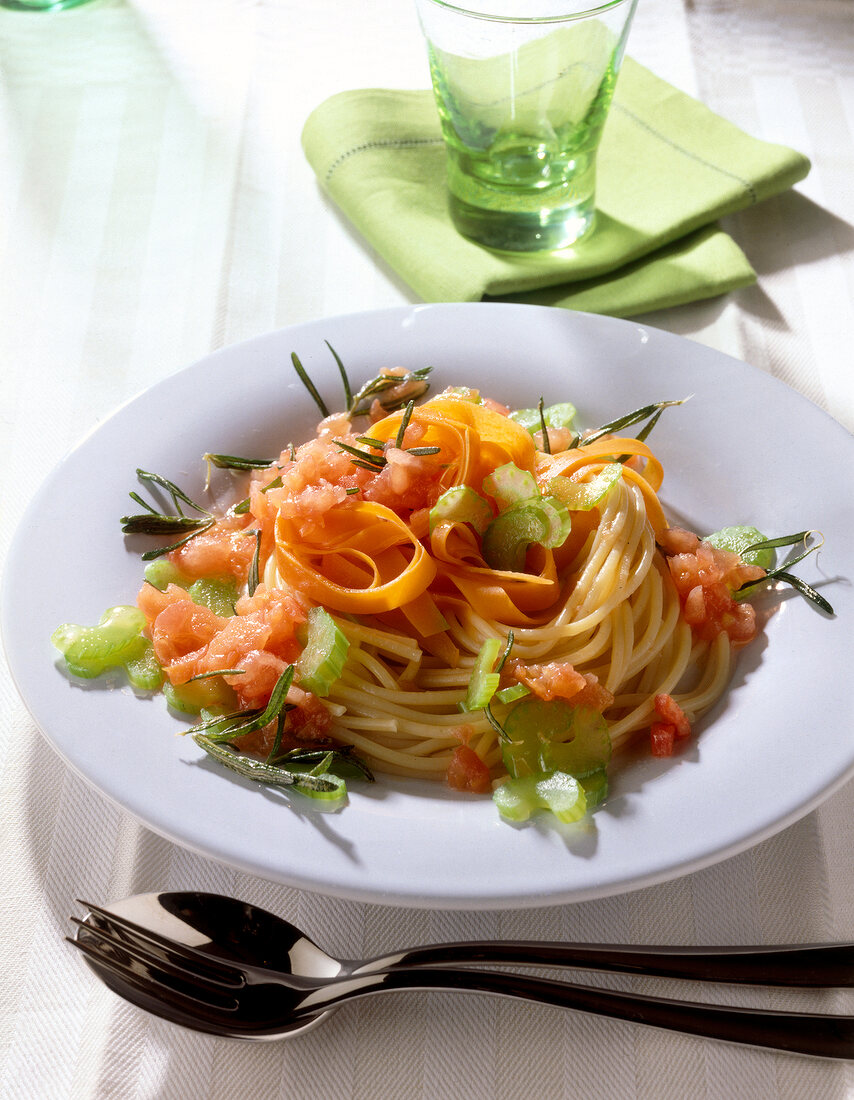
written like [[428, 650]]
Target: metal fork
[[192, 988]]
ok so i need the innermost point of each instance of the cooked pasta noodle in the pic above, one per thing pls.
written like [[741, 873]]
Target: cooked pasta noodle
[[445, 531], [619, 619]]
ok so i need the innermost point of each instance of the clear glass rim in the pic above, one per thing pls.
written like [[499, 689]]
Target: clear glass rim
[[595, 9]]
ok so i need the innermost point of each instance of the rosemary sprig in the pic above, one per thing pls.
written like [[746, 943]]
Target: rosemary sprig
[[217, 672], [547, 446], [782, 572], [638, 416], [348, 395], [243, 507], [366, 458], [309, 385], [496, 725], [254, 566], [262, 772], [277, 740], [342, 758], [228, 727], [404, 424], [414, 385], [233, 462], [154, 522], [511, 638]]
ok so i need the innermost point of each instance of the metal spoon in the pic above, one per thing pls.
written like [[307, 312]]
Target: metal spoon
[[216, 964]]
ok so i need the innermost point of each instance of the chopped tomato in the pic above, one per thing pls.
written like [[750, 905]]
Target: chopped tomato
[[467, 772], [676, 540], [561, 680], [151, 600], [183, 628], [310, 719], [706, 579], [671, 725], [662, 738], [668, 710], [224, 549]]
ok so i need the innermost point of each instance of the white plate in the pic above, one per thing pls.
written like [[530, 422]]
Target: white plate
[[745, 449]]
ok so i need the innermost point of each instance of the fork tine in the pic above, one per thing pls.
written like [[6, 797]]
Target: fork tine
[[191, 959], [163, 961], [152, 993], [151, 976]]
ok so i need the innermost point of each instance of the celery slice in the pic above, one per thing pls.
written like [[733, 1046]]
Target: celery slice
[[144, 671], [161, 573], [738, 540], [91, 650], [483, 682], [512, 693], [581, 496], [563, 795], [561, 415], [559, 520], [218, 594], [508, 537], [461, 504], [595, 787], [515, 799], [209, 694], [545, 736], [322, 660], [509, 485], [556, 791]]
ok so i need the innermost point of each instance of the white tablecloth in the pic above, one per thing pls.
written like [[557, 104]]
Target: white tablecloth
[[155, 206]]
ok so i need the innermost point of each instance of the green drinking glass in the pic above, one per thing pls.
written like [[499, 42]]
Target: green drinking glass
[[40, 5], [523, 89]]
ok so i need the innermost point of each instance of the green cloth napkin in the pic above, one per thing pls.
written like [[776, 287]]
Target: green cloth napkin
[[668, 168]]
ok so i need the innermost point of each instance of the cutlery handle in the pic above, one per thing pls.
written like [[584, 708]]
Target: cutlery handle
[[817, 1034], [819, 965]]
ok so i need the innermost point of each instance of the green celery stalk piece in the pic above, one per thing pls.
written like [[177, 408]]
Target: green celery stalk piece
[[561, 415], [738, 540], [508, 537], [484, 681], [561, 794], [509, 485], [581, 496], [91, 650], [218, 594], [461, 504], [325, 653], [554, 735]]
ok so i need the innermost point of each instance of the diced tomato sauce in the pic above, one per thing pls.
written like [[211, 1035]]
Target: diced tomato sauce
[[225, 549], [308, 724], [321, 474], [183, 628], [672, 725], [662, 738], [467, 772], [310, 720], [260, 639], [706, 579], [560, 680]]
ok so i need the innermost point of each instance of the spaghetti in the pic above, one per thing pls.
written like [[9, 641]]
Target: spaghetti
[[451, 595], [355, 524]]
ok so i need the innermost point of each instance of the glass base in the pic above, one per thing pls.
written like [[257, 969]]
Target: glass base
[[517, 231], [40, 5]]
